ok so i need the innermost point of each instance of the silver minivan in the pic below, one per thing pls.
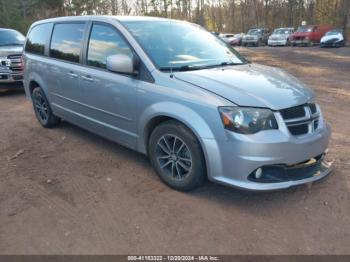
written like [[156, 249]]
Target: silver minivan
[[175, 92]]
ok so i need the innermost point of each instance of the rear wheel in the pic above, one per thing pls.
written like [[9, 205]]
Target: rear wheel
[[43, 110], [176, 156]]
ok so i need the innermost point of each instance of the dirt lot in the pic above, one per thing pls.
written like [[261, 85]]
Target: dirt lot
[[66, 191]]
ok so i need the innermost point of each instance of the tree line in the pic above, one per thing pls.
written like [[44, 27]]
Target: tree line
[[216, 15]]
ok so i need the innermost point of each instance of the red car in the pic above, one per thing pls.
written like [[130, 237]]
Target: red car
[[309, 34]]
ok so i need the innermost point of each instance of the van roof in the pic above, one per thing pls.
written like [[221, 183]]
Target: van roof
[[107, 17]]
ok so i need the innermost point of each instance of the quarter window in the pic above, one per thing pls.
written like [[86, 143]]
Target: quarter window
[[67, 42], [105, 41], [37, 39]]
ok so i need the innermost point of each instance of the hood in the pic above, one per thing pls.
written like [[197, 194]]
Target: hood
[[251, 85], [10, 50], [329, 37]]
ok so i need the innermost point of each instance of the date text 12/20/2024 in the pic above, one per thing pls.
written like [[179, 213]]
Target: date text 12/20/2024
[[173, 258]]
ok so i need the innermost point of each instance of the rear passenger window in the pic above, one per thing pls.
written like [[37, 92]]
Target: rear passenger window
[[37, 39], [66, 42], [105, 41]]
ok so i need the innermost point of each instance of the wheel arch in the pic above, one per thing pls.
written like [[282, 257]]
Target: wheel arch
[[165, 111], [34, 80]]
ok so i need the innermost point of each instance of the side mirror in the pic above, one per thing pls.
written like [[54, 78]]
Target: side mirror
[[122, 64]]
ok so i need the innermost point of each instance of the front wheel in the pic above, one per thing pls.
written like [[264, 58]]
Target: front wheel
[[176, 156], [43, 110]]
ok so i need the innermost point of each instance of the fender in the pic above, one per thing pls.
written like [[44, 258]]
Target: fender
[[193, 121], [33, 76], [179, 112]]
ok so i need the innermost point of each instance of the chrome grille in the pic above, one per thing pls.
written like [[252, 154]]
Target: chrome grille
[[16, 63], [301, 120]]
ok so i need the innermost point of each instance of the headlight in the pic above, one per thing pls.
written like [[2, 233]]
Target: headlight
[[247, 120]]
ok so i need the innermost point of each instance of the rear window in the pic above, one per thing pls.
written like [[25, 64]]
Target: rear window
[[37, 39], [66, 42]]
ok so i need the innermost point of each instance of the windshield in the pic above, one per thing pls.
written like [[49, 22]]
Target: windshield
[[305, 29], [254, 32], [281, 31], [333, 32], [11, 37], [181, 46]]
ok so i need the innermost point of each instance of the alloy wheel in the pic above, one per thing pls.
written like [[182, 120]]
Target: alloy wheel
[[41, 107], [174, 156]]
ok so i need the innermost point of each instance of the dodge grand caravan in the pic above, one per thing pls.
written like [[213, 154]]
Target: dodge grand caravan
[[173, 91]]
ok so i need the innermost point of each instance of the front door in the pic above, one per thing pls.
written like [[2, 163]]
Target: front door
[[108, 99]]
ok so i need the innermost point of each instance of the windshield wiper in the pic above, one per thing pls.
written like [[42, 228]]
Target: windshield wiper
[[182, 68], [10, 44], [197, 67], [229, 63]]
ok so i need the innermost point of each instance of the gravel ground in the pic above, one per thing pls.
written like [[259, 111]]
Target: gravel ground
[[67, 191]]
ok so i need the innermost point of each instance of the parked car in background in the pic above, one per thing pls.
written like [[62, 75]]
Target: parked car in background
[[236, 39], [226, 37], [280, 36], [11, 47], [309, 35], [173, 91], [256, 37], [333, 38]]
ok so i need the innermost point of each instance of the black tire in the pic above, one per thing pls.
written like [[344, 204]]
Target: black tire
[[182, 166], [42, 109]]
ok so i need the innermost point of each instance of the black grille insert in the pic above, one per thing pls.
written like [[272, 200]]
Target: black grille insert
[[293, 112], [313, 108], [299, 129]]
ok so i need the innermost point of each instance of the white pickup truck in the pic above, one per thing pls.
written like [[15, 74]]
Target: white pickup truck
[[11, 48]]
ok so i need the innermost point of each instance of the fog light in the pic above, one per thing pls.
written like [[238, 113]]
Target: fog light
[[258, 173]]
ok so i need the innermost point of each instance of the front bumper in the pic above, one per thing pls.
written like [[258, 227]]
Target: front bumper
[[250, 41], [331, 44], [234, 160], [8, 77], [277, 42], [301, 42]]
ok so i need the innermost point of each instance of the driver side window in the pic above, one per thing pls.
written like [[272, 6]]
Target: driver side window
[[105, 41]]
